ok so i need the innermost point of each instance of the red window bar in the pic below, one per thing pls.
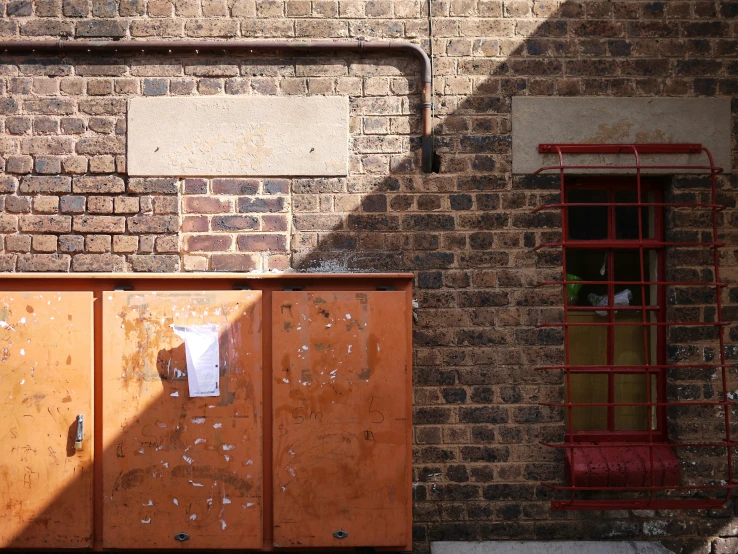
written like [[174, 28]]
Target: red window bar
[[606, 456]]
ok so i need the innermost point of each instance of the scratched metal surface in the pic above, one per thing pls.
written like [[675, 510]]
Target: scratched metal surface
[[174, 464], [339, 363], [45, 381]]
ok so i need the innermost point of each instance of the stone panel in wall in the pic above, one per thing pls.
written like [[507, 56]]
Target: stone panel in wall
[[594, 120], [269, 136]]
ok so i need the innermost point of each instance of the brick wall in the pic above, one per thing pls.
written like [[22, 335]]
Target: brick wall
[[467, 232]]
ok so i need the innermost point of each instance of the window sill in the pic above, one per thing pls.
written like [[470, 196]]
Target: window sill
[[603, 466]]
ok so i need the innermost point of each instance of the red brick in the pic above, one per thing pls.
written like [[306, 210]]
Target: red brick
[[207, 205], [233, 223], [233, 262], [274, 223], [235, 186], [208, 243], [194, 224], [262, 243]]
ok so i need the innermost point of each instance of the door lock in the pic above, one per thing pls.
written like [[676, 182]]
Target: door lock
[[181, 537], [340, 534]]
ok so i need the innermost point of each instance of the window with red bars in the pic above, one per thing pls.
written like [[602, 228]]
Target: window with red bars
[[617, 443]]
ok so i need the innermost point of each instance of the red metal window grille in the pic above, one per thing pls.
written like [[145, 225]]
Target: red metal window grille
[[631, 465]]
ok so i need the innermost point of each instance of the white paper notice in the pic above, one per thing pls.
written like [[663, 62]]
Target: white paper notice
[[203, 358]]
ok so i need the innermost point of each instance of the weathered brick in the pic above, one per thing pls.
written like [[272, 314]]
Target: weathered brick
[[19, 164], [49, 106], [101, 145], [48, 165], [260, 205], [208, 243], [235, 186], [108, 184], [262, 242], [207, 205], [8, 184], [47, 27], [152, 186], [222, 28], [155, 264], [72, 204], [234, 223], [100, 205], [71, 243], [17, 204], [125, 244], [233, 262], [46, 204], [56, 184], [43, 262], [126, 205], [102, 28], [44, 243], [98, 262], [103, 106], [46, 145], [99, 224], [8, 223], [152, 224]]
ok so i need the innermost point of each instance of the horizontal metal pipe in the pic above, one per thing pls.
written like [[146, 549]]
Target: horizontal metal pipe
[[99, 47]]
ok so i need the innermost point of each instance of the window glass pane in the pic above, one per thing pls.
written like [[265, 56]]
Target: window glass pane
[[629, 340], [587, 222], [587, 343], [626, 217], [588, 346], [588, 389], [586, 265], [630, 388], [628, 268]]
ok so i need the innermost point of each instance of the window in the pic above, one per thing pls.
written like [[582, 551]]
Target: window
[[621, 451], [614, 255]]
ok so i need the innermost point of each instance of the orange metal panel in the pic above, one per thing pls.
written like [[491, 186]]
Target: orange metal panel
[[172, 463], [45, 382], [340, 419]]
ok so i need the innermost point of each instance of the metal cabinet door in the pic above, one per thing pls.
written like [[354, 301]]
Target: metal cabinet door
[[341, 424], [46, 366], [181, 471]]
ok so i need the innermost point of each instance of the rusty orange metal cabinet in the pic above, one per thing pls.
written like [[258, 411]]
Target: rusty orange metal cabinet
[[181, 471], [46, 365], [340, 393]]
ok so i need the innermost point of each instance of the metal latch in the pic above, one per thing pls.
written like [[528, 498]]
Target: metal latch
[[80, 432], [181, 537], [340, 534]]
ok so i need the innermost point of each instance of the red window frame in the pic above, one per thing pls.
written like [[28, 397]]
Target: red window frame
[[659, 485], [610, 245]]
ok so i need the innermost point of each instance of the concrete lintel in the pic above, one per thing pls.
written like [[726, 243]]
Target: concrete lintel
[[597, 120], [238, 136]]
